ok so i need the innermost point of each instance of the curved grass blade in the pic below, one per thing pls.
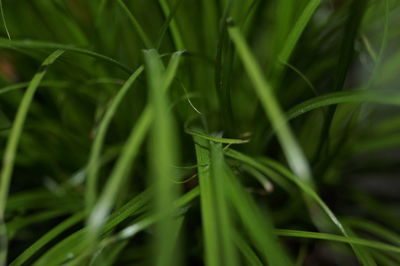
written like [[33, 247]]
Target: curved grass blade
[[163, 155], [76, 243], [293, 153], [273, 175], [142, 34], [146, 220], [359, 96], [94, 157], [14, 138], [219, 182], [167, 23], [124, 163], [45, 239], [259, 226], [208, 214], [248, 253], [356, 12], [217, 243], [20, 222], [306, 188], [373, 228], [29, 44], [3, 18], [120, 171], [22, 85], [298, 29], [330, 237], [363, 254], [176, 35], [215, 139], [108, 256]]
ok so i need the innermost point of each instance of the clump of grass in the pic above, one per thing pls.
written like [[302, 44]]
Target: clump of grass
[[207, 132]]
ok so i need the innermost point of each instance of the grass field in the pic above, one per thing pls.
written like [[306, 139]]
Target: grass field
[[200, 132]]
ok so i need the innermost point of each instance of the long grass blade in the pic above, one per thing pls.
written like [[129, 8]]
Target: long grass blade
[[163, 155], [94, 157], [293, 153], [351, 240], [14, 138], [142, 34], [29, 44], [45, 239], [297, 30], [3, 18]]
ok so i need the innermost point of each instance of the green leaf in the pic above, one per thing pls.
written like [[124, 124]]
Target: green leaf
[[15, 135], [293, 153]]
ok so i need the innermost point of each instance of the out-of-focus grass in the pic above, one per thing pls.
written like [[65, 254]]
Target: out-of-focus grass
[[183, 132]]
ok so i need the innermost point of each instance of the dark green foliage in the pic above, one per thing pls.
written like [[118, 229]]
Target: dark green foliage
[[199, 132]]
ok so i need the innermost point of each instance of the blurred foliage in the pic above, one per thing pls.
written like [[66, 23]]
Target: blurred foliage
[[184, 132]]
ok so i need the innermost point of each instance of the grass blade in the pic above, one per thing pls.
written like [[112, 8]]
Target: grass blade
[[358, 96], [163, 155], [142, 34], [297, 30], [14, 138], [176, 35], [215, 216], [258, 225], [350, 240], [94, 157], [293, 153], [29, 44], [45, 239], [3, 18], [120, 171]]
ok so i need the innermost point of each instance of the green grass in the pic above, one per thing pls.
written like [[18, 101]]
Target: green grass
[[174, 132]]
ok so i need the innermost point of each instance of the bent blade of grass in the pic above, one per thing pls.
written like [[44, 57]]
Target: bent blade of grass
[[337, 238], [124, 163], [45, 239], [162, 156], [108, 257], [361, 254], [22, 85], [29, 44], [276, 178], [211, 246], [94, 157], [294, 35], [19, 223], [76, 243], [215, 139], [14, 138], [3, 18], [384, 260], [293, 153], [219, 182], [148, 220], [176, 35], [306, 188], [167, 22], [373, 228], [248, 253], [259, 226], [358, 96], [142, 33], [385, 36], [119, 173]]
